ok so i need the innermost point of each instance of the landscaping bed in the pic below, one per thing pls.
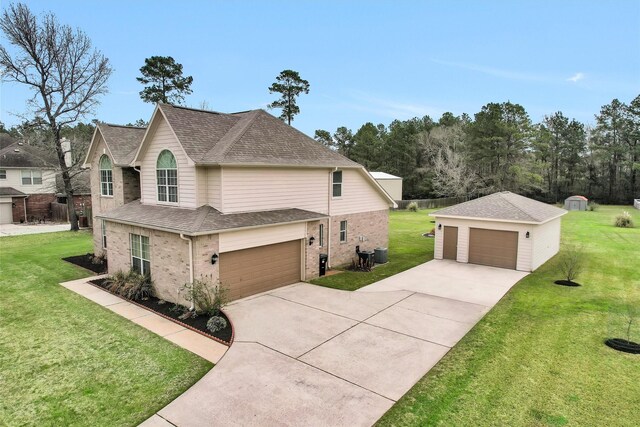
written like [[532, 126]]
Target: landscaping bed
[[90, 262], [169, 311]]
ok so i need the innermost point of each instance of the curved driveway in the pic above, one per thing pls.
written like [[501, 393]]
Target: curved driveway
[[306, 355]]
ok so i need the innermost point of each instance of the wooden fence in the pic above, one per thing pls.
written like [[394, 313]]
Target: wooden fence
[[59, 212], [431, 203]]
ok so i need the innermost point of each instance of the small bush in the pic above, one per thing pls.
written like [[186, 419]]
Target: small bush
[[216, 323], [138, 287], [116, 281], [624, 220], [207, 298], [413, 207], [593, 206], [572, 262]]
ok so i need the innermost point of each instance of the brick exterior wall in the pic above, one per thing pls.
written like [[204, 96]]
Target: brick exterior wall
[[372, 227], [169, 258], [312, 252], [130, 185], [38, 207]]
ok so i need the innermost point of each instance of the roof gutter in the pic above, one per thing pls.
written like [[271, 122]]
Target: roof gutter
[[470, 218]]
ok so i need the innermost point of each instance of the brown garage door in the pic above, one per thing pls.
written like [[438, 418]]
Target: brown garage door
[[497, 248], [250, 271]]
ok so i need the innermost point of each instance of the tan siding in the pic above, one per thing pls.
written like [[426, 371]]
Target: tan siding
[[358, 195], [202, 193], [524, 260], [243, 239], [546, 242], [254, 189], [14, 179], [392, 186], [163, 138], [213, 188]]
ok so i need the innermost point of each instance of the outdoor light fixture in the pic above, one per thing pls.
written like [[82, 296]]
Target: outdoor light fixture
[[214, 259], [439, 226], [311, 240], [527, 235]]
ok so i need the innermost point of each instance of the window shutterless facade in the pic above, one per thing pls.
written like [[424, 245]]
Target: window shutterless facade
[[106, 176], [321, 235], [343, 231], [140, 258], [3, 174], [337, 184], [31, 177], [167, 177]]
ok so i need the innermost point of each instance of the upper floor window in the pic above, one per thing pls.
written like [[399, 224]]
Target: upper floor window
[[106, 176], [167, 177], [337, 184], [31, 177], [3, 174]]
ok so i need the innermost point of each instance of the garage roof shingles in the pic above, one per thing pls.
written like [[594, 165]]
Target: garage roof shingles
[[505, 206], [204, 220]]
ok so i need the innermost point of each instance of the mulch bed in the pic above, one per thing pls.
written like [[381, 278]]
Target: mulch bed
[[86, 261], [197, 324], [566, 283], [623, 345]]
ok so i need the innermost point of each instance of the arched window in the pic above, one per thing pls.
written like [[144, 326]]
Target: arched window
[[106, 176], [167, 177]]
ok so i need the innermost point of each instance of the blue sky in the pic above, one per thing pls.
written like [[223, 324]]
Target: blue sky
[[366, 61]]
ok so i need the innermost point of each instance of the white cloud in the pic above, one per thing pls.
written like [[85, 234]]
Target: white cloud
[[576, 77]]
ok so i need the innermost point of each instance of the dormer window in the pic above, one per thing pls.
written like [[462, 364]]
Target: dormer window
[[106, 176], [167, 177], [337, 184]]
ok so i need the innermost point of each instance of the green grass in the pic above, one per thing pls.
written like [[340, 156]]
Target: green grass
[[407, 248], [67, 361], [538, 358]]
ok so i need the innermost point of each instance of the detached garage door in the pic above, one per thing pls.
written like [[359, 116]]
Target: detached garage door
[[251, 271], [496, 248]]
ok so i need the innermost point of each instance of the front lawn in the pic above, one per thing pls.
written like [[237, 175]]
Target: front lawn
[[67, 361], [538, 358], [407, 248]]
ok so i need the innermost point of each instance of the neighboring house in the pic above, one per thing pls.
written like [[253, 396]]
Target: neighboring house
[[242, 198], [502, 230], [27, 181], [392, 184], [576, 203]]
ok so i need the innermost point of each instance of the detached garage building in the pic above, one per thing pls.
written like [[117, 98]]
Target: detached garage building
[[501, 230]]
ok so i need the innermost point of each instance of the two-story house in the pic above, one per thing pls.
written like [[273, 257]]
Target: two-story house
[[242, 198]]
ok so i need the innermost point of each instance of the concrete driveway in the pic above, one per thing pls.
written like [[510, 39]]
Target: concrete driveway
[[313, 356], [20, 229]]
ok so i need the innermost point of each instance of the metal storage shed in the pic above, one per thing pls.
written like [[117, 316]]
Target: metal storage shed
[[576, 203]]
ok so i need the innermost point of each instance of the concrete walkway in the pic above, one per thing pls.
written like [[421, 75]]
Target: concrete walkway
[[313, 356], [177, 334], [20, 229]]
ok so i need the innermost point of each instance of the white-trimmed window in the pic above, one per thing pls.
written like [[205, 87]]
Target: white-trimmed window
[[337, 184], [343, 231], [31, 177], [3, 174], [321, 235], [104, 234], [106, 176], [140, 259], [167, 177]]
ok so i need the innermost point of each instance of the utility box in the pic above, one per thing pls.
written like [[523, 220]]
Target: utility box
[[381, 255], [323, 264]]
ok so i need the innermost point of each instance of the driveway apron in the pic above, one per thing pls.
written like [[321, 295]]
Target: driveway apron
[[314, 356]]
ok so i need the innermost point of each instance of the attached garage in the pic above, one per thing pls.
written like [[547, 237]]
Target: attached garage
[[9, 196], [251, 271], [6, 211], [502, 230]]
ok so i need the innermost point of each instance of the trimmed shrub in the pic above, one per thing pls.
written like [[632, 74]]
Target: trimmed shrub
[[413, 207], [624, 220], [216, 323]]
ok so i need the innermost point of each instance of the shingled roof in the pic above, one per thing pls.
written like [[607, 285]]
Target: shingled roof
[[19, 155], [204, 220], [10, 191], [503, 206], [122, 141], [251, 137]]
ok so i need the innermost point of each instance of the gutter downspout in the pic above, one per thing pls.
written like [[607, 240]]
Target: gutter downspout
[[190, 264], [24, 204]]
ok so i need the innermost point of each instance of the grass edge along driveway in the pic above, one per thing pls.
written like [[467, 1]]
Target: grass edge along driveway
[[67, 361], [538, 358]]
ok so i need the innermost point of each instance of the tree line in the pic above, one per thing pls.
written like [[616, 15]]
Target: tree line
[[500, 149]]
